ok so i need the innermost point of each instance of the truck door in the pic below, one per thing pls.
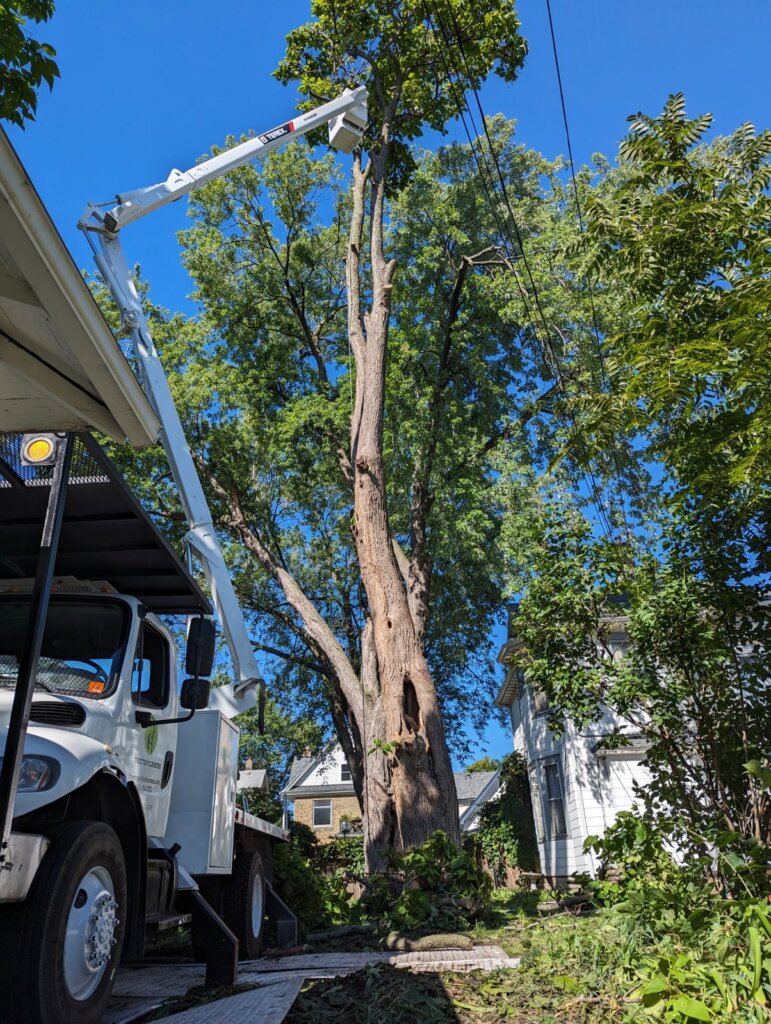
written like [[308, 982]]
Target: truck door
[[151, 755]]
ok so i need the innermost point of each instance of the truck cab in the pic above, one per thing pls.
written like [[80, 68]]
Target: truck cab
[[125, 819], [103, 658]]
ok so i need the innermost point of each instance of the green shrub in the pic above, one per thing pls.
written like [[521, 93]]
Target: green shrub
[[315, 891], [689, 953], [433, 887], [506, 835], [498, 844]]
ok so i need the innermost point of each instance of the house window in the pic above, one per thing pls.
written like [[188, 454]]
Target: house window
[[536, 802], [322, 813], [554, 800], [345, 772], [540, 702]]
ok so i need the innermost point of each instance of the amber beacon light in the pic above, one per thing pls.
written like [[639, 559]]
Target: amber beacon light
[[38, 450]]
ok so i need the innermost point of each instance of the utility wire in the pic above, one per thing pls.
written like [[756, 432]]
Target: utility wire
[[604, 376], [594, 488], [487, 179]]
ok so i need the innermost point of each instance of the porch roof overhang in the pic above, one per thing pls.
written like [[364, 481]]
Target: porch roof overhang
[[60, 366]]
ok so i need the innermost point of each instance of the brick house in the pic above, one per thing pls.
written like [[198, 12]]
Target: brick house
[[322, 793]]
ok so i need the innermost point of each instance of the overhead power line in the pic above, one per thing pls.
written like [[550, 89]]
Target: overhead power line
[[551, 358], [605, 380]]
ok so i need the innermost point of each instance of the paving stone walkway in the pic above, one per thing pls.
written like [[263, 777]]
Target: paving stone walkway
[[141, 989]]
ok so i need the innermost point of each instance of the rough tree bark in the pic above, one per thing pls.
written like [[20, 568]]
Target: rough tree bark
[[420, 795]]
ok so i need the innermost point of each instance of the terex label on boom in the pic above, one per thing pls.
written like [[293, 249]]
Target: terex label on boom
[[277, 133]]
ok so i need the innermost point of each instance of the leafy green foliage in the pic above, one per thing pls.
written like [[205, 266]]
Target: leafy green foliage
[[312, 880], [680, 673], [345, 854], [398, 50], [433, 887], [24, 62], [687, 954], [685, 238], [483, 764], [506, 835]]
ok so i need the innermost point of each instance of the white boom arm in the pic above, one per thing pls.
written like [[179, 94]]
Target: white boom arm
[[347, 119]]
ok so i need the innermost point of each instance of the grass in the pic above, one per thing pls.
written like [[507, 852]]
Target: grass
[[564, 962]]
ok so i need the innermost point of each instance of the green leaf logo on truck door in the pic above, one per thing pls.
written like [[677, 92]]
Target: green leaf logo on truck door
[[151, 738]]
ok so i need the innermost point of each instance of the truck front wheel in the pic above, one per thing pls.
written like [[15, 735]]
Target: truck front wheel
[[61, 946], [244, 903]]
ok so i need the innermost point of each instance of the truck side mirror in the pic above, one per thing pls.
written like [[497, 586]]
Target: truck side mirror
[[194, 695], [199, 656]]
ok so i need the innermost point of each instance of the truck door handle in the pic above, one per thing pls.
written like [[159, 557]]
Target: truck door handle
[[168, 761]]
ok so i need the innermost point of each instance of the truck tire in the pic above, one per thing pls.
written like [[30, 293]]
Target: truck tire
[[61, 947], [243, 903]]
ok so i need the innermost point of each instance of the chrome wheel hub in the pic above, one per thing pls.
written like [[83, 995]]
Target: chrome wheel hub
[[92, 925]]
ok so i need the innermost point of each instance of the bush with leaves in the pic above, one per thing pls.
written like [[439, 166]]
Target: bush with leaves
[[319, 898], [344, 854], [506, 836], [688, 954], [433, 887], [24, 62]]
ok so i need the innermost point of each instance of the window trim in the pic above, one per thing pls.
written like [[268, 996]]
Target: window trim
[[151, 705], [345, 767], [326, 801], [547, 800], [539, 712]]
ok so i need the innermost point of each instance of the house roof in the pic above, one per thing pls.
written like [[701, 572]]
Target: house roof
[[469, 817], [299, 767], [471, 784], [60, 366], [252, 778], [324, 790]]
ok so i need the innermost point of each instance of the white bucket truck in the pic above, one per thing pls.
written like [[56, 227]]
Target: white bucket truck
[[118, 813]]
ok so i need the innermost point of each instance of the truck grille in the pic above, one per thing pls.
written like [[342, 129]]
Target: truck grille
[[55, 712]]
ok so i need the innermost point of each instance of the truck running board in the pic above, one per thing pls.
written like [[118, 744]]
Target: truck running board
[[162, 922], [282, 916]]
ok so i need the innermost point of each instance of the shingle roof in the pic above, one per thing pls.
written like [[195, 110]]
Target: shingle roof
[[470, 784], [298, 767]]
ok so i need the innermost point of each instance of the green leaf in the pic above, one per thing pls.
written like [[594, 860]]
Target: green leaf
[[565, 983], [694, 1009], [756, 956]]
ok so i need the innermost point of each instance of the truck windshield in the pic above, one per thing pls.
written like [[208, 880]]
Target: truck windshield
[[82, 647]]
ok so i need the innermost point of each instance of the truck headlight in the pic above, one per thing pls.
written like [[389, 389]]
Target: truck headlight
[[37, 774]]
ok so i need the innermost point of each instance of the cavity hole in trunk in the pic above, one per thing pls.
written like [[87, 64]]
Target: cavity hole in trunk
[[410, 705]]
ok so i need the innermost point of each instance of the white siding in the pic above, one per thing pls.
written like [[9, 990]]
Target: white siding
[[327, 772], [594, 787]]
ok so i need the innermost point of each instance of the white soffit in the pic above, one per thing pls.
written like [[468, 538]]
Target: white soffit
[[60, 366]]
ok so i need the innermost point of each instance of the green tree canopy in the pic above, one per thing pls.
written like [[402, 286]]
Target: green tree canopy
[[24, 62]]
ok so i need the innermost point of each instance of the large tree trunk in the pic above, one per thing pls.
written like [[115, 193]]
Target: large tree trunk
[[422, 793]]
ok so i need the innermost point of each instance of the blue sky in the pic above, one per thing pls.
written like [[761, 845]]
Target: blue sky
[[147, 86]]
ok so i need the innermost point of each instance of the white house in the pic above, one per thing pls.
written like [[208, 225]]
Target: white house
[[577, 786]]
